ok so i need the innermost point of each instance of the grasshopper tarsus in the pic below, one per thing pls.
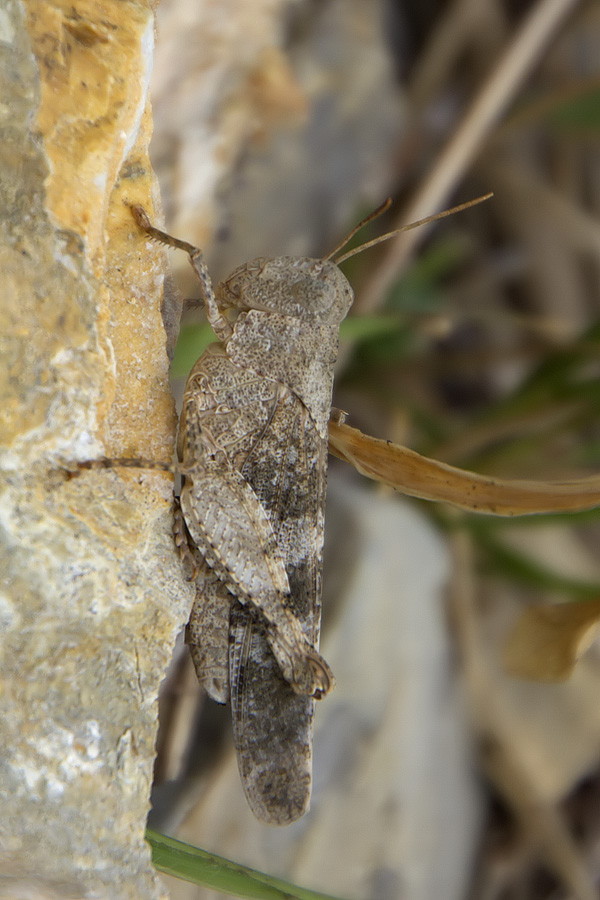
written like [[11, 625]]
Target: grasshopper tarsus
[[141, 217]]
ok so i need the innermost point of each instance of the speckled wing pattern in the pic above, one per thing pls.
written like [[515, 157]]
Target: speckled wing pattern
[[272, 724], [265, 436]]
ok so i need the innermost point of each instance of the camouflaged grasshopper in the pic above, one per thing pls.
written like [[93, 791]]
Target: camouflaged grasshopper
[[252, 447]]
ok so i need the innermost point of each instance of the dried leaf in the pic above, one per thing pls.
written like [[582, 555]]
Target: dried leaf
[[547, 641]]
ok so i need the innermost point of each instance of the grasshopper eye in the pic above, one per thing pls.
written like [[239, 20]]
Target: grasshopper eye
[[239, 289]]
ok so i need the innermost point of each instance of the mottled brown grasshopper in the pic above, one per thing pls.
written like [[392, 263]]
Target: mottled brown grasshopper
[[252, 447]]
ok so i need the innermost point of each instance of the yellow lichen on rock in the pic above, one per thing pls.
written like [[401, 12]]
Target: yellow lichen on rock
[[94, 60], [94, 83]]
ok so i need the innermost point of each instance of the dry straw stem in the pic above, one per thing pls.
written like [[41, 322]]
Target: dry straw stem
[[459, 25], [415, 475], [496, 94]]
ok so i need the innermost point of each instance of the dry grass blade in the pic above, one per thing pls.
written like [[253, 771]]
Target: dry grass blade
[[413, 474]]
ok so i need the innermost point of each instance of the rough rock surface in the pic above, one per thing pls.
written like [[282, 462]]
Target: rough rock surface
[[91, 593]]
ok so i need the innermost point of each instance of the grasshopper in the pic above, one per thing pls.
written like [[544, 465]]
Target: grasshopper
[[252, 449]]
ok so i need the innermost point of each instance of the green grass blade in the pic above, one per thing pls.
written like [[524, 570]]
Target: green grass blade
[[366, 328], [199, 867], [579, 112]]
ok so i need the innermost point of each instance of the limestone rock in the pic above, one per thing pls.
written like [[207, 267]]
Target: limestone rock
[[91, 594]]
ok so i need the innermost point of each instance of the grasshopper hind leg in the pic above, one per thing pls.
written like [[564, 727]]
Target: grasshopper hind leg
[[207, 634], [207, 631]]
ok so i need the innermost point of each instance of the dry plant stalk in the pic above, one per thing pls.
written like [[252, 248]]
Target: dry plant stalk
[[410, 473]]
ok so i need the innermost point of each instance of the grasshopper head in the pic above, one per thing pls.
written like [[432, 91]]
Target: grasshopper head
[[310, 289]]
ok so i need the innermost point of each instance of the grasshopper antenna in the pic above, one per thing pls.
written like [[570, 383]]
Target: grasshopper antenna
[[373, 215], [391, 234]]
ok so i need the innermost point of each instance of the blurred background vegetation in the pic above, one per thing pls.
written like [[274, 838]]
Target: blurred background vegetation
[[475, 342]]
